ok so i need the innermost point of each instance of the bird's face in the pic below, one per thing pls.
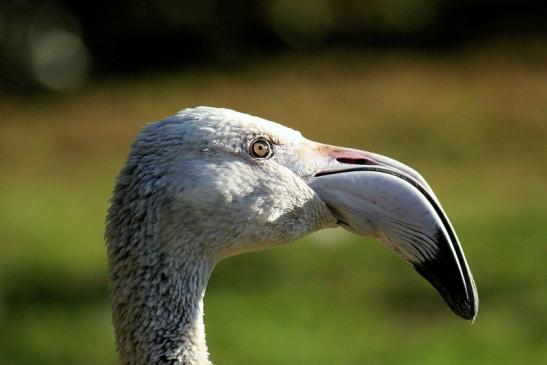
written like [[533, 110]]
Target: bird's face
[[261, 184]]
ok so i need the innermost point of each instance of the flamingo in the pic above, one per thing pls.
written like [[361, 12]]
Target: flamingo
[[209, 183]]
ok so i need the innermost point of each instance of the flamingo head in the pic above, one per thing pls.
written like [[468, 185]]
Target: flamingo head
[[221, 183]]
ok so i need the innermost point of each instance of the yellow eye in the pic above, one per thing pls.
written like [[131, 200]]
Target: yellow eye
[[261, 148]]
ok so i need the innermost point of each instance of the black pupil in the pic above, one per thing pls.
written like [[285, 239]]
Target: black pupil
[[260, 148]]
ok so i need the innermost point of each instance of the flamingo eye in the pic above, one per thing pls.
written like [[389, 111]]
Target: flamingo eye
[[261, 148]]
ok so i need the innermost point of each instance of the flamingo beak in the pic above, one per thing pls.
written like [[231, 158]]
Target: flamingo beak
[[373, 195]]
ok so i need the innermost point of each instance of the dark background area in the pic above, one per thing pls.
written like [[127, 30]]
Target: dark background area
[[76, 39]]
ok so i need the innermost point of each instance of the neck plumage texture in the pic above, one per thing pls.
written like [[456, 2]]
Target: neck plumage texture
[[157, 296]]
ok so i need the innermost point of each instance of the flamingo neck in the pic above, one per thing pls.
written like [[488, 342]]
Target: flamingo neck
[[158, 310]]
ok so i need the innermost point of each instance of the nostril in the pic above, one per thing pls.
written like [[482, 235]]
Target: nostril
[[355, 161]]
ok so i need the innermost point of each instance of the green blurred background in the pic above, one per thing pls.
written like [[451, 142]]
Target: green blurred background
[[456, 89]]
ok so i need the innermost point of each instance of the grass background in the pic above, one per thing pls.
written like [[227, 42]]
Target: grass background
[[473, 122]]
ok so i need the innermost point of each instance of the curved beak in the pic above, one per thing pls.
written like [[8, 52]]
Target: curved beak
[[377, 196]]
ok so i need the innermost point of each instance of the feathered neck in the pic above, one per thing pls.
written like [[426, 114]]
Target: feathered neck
[[157, 298], [157, 306]]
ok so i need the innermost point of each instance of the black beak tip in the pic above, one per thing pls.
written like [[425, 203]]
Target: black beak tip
[[466, 309], [461, 297]]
